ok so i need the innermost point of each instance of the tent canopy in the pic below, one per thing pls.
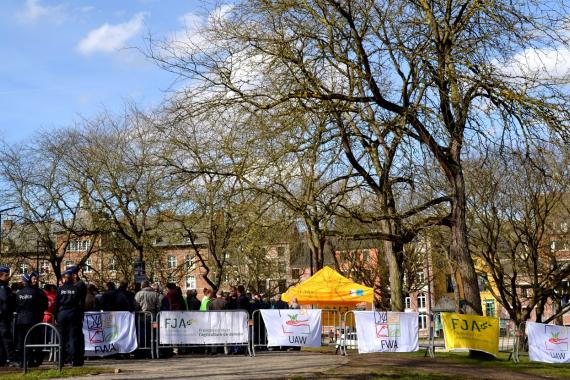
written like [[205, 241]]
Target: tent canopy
[[329, 287]]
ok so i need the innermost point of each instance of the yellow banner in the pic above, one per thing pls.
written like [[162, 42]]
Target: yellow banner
[[471, 331]]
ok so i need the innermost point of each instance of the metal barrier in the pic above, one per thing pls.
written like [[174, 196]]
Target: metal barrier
[[55, 344], [520, 343], [331, 324], [145, 330], [347, 334], [158, 345]]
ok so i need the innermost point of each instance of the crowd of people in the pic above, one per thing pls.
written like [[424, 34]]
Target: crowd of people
[[66, 304]]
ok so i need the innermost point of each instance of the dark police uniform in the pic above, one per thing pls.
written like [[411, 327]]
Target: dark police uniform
[[7, 308], [69, 316], [82, 294], [31, 302]]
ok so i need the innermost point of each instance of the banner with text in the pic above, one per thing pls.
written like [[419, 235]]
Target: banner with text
[[108, 333], [203, 327], [548, 343], [386, 331], [462, 331], [293, 327]]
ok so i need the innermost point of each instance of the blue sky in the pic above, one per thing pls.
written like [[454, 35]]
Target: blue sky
[[62, 60]]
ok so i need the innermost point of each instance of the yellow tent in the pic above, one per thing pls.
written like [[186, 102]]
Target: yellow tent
[[328, 287]]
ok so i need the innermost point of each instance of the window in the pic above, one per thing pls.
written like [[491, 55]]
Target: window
[[280, 251], [45, 267], [75, 245], [68, 263], [281, 267], [189, 262], [483, 281], [365, 255], [23, 268], [564, 227], [190, 282], [422, 321], [420, 278], [490, 308], [449, 282], [421, 301], [112, 265], [282, 285], [87, 268], [408, 302], [296, 273], [171, 262]]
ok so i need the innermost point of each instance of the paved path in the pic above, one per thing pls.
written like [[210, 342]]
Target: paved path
[[264, 366]]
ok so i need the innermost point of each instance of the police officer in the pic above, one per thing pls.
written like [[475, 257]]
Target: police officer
[[7, 308], [69, 312], [82, 293], [31, 302]]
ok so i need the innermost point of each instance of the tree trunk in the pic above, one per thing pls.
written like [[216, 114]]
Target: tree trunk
[[395, 260], [459, 249]]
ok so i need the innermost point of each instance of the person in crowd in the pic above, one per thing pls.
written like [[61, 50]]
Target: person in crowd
[[206, 299], [91, 300], [279, 303], [218, 302], [31, 302], [180, 298], [69, 313], [109, 298], [50, 291], [147, 299], [294, 304], [82, 291], [242, 300], [192, 300], [123, 299], [232, 298], [7, 308], [174, 297]]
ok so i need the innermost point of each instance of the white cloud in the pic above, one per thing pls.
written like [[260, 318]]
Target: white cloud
[[548, 63], [34, 12], [109, 38]]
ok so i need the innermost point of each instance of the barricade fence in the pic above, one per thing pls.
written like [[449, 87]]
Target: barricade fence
[[330, 325], [145, 330], [206, 329]]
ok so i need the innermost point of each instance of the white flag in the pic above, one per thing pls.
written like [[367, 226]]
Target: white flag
[[386, 331], [548, 343], [292, 327], [107, 333], [203, 327]]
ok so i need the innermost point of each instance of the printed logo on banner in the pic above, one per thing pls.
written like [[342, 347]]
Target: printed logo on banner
[[548, 343], [464, 331], [387, 326], [109, 333], [298, 327], [178, 323], [102, 331], [298, 323], [554, 341], [379, 331]]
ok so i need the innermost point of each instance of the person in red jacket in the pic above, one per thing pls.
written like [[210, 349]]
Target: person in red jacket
[[51, 293]]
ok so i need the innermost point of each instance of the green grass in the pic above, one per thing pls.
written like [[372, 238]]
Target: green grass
[[502, 361], [54, 373]]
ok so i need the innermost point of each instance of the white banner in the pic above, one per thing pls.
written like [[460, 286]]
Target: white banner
[[293, 327], [108, 333], [548, 343], [386, 331], [203, 327]]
